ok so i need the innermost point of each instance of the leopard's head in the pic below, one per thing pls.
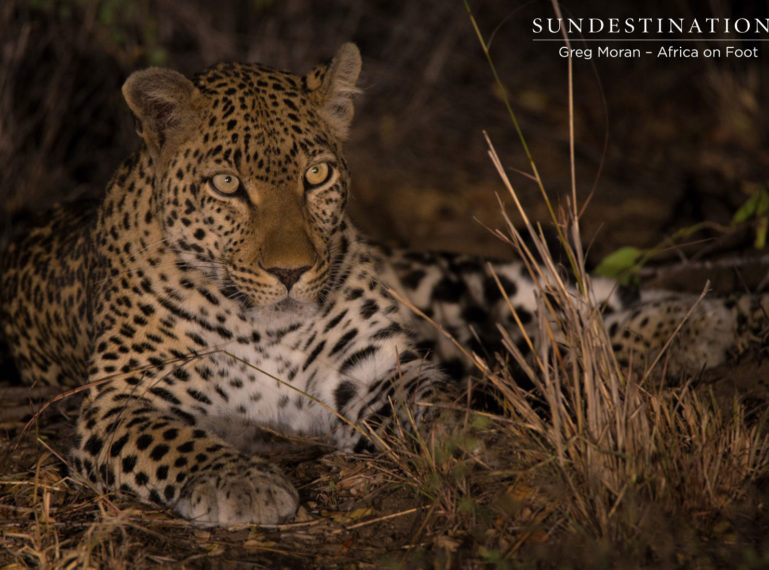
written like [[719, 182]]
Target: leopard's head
[[250, 183]]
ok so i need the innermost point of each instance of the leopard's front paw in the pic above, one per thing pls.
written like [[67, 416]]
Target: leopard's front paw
[[258, 494]]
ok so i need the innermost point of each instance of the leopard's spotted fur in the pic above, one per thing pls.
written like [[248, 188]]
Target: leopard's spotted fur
[[219, 289]]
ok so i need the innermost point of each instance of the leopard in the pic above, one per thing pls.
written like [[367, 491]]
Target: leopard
[[219, 292]]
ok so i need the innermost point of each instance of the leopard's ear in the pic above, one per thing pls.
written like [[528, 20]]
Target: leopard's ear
[[334, 86], [164, 103]]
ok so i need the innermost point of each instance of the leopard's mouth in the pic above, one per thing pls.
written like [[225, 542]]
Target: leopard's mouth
[[285, 305]]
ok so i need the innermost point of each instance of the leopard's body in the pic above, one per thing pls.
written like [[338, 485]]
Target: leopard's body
[[219, 289]]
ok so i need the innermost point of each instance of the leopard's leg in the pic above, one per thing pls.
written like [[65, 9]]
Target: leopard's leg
[[396, 402], [702, 332], [128, 443]]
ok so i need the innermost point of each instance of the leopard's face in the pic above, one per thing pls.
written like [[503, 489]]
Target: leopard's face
[[254, 196], [250, 184]]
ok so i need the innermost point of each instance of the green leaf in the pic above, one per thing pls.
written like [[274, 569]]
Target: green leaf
[[621, 264], [754, 207]]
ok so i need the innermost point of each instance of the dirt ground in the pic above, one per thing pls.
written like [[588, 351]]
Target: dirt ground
[[661, 145]]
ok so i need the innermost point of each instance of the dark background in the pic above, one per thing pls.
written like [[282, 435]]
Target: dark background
[[676, 141]]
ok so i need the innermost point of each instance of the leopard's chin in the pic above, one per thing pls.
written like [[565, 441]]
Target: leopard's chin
[[286, 305], [283, 313]]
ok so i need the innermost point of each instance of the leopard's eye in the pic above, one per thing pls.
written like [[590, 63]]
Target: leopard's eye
[[225, 183], [318, 174]]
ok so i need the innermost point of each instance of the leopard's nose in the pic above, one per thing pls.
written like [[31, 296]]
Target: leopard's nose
[[288, 276]]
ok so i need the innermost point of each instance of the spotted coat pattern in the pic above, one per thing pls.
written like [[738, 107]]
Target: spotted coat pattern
[[220, 289]]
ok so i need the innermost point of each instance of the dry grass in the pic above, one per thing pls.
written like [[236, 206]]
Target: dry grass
[[612, 442]]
